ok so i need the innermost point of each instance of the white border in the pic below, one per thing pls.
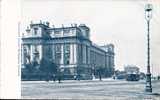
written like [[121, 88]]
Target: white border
[[10, 77]]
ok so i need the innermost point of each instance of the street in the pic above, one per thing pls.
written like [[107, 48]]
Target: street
[[89, 89]]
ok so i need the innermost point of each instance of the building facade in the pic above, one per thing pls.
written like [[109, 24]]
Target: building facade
[[69, 47]]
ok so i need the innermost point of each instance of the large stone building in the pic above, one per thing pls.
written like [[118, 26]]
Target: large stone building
[[69, 47]]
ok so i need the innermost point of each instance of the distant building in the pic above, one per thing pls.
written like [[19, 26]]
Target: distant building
[[69, 47], [131, 69]]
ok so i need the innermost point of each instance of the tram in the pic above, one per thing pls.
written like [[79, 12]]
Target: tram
[[132, 77]]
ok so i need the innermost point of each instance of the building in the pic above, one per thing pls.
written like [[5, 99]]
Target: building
[[69, 47], [131, 69]]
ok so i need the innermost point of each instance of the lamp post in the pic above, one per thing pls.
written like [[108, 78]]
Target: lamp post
[[148, 16]]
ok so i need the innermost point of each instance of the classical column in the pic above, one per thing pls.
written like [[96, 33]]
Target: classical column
[[75, 53], [84, 54], [72, 53], [53, 52], [22, 54], [40, 48], [31, 52], [88, 55], [62, 54], [86, 50]]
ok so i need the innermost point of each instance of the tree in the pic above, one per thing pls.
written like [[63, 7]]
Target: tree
[[48, 68], [30, 67], [30, 70]]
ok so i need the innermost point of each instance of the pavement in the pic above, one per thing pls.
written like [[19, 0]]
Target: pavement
[[107, 89]]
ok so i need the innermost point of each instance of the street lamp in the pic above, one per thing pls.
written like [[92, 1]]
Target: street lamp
[[148, 16]]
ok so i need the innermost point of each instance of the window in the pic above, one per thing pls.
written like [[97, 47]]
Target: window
[[36, 53], [66, 54], [48, 51], [66, 48], [57, 53], [67, 62], [58, 48], [25, 55], [25, 50], [35, 31], [36, 48], [66, 31], [66, 59], [57, 31]]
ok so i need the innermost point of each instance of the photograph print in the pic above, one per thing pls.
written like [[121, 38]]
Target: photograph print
[[94, 49]]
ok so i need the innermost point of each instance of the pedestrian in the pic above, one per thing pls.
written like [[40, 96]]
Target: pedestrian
[[78, 77], [54, 77], [100, 77], [59, 78], [75, 78], [114, 77], [158, 77], [46, 77]]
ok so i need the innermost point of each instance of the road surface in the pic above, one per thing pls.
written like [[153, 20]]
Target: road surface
[[89, 89]]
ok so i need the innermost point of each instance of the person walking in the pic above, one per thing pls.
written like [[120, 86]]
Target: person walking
[[54, 77], [100, 77]]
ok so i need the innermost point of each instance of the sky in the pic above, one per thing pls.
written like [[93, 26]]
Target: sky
[[121, 22]]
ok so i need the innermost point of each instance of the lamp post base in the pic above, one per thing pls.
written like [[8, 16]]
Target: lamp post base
[[148, 83], [148, 89]]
